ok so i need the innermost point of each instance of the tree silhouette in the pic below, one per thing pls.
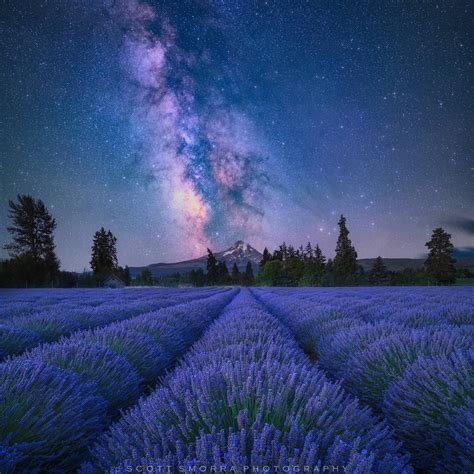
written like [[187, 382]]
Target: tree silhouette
[[235, 275], [104, 254], [345, 261], [266, 257], [378, 272], [440, 263], [248, 278], [32, 248], [212, 271]]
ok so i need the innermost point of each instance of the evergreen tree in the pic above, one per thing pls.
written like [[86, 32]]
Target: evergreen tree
[[300, 253], [319, 258], [112, 249], [33, 249], [212, 272], [266, 257], [222, 273], [440, 263], [273, 274], [124, 274], [277, 254], [308, 252], [104, 254], [197, 277], [248, 278], [345, 261], [378, 273], [283, 251], [146, 277], [313, 267], [235, 275]]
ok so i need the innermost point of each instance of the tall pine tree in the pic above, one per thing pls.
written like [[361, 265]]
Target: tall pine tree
[[319, 258], [378, 273], [308, 252], [104, 254], [212, 270], [266, 257], [235, 275], [345, 261], [440, 263], [248, 277]]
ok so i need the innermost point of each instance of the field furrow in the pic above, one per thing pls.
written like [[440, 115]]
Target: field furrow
[[413, 363], [246, 397], [25, 331], [57, 398]]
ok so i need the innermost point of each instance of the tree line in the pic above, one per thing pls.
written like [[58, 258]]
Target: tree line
[[307, 266], [33, 261]]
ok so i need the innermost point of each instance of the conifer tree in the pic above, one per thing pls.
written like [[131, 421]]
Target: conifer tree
[[222, 273], [248, 277], [440, 263], [235, 275], [378, 272], [266, 257], [345, 261], [283, 251], [146, 277], [319, 258], [104, 254], [308, 252], [212, 273]]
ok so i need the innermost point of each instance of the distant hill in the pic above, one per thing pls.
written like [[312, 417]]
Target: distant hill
[[239, 253], [242, 252], [398, 264]]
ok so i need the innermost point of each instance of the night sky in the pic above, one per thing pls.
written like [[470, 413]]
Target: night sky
[[186, 124]]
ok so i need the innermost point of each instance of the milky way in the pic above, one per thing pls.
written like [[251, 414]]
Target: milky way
[[205, 157], [181, 124]]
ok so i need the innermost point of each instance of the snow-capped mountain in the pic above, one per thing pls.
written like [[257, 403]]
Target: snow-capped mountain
[[239, 253]]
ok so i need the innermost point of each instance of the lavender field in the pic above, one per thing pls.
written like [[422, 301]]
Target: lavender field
[[355, 380]]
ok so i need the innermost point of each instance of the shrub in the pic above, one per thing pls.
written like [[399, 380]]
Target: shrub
[[426, 407], [258, 403], [48, 417], [14, 340], [337, 348], [149, 359], [115, 378], [50, 327]]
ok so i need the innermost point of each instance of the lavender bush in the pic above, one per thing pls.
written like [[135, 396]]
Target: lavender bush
[[394, 336], [23, 328], [431, 408], [48, 417], [115, 378], [247, 395], [103, 366]]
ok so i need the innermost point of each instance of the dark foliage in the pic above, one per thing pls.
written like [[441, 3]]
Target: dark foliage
[[440, 264], [32, 250]]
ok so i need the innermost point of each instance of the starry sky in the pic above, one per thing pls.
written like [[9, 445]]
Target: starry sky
[[183, 124]]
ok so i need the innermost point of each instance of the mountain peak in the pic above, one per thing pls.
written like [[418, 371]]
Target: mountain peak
[[240, 252]]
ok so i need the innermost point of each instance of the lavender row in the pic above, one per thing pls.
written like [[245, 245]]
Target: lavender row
[[15, 302], [20, 333], [421, 380], [416, 308], [56, 399], [246, 397]]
